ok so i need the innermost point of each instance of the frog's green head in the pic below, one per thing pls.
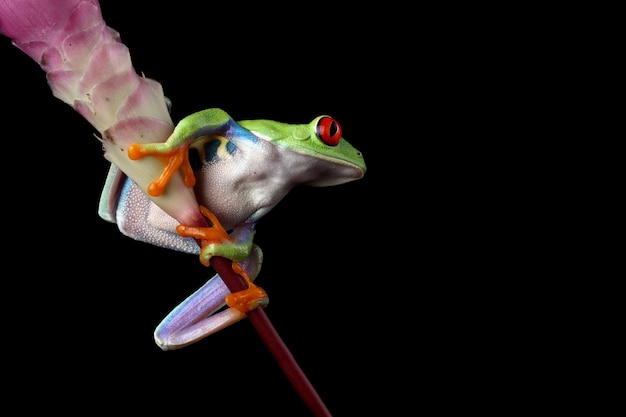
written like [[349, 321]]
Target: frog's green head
[[340, 162]]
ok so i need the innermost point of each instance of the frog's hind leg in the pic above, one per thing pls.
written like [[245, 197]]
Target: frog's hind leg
[[202, 313]]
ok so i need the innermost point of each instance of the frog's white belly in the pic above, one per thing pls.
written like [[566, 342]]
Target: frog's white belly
[[245, 186]]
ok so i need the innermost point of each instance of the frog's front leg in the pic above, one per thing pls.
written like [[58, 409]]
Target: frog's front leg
[[215, 241], [174, 153]]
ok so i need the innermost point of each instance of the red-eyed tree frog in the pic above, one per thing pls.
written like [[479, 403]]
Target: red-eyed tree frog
[[239, 171]]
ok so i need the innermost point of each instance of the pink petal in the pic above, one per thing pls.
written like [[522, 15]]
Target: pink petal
[[109, 95], [86, 14], [77, 47], [32, 22], [148, 99], [64, 85], [108, 59], [132, 130]]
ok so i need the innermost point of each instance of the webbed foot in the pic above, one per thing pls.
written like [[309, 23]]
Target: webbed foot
[[248, 299], [172, 158]]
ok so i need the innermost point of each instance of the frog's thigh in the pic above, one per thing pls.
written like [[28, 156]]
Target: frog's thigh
[[139, 218]]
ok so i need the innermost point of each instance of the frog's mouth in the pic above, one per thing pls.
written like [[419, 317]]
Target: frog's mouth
[[332, 171]]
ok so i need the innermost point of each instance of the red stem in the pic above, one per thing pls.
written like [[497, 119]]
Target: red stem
[[267, 332], [273, 341]]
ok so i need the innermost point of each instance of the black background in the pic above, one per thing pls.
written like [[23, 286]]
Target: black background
[[364, 278]]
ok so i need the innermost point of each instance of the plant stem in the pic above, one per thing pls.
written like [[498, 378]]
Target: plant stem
[[273, 341]]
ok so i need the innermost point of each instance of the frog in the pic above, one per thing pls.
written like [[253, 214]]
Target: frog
[[239, 170]]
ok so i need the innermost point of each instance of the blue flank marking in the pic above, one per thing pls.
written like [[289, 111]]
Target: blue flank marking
[[210, 150], [230, 147]]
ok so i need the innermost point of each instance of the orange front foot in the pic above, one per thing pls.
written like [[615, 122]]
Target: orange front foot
[[172, 159]]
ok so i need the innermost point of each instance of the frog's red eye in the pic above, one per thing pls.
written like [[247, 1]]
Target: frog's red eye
[[329, 131]]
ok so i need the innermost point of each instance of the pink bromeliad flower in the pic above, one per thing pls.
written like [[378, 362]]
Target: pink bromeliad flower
[[88, 67]]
